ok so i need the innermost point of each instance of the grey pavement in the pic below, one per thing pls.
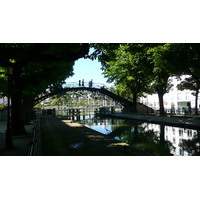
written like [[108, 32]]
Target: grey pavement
[[20, 143]]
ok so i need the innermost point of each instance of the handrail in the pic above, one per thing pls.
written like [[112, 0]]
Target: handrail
[[33, 143], [85, 84]]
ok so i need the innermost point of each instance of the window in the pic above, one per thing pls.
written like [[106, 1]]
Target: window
[[179, 97], [188, 96]]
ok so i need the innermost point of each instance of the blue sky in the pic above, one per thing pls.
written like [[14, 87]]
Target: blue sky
[[87, 69]]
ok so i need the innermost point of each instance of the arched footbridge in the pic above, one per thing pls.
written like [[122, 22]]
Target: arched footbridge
[[95, 87]]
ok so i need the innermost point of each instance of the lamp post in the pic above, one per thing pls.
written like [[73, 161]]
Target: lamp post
[[9, 141]]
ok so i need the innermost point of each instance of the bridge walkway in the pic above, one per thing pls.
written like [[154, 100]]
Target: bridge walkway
[[96, 87]]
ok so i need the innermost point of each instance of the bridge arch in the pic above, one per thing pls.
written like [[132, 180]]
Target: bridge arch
[[102, 90], [96, 87]]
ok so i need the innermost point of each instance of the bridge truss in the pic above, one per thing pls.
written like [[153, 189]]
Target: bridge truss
[[96, 87]]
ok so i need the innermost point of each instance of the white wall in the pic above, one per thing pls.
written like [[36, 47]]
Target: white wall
[[174, 96], [3, 101]]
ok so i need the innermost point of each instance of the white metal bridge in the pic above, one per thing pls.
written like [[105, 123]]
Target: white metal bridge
[[85, 84], [94, 87]]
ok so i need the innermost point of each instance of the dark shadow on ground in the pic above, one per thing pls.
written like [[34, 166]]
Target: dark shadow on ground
[[61, 137]]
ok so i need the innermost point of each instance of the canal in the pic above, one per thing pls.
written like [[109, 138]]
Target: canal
[[157, 139]]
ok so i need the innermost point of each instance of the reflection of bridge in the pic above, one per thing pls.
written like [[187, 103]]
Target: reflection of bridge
[[96, 87]]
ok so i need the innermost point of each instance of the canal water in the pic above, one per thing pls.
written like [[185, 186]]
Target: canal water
[[157, 139]]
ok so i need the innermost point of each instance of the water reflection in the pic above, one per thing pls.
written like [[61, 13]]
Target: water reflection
[[156, 139], [192, 146]]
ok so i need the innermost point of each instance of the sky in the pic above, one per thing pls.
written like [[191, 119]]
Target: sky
[[88, 69]]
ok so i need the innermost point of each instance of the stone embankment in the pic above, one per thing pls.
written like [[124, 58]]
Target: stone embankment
[[178, 120]]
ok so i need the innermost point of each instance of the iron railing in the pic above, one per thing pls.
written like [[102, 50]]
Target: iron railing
[[33, 143], [85, 84]]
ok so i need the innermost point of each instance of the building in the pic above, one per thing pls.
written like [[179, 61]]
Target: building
[[176, 101], [3, 101]]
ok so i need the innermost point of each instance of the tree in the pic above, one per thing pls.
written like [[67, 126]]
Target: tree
[[123, 91], [136, 69], [184, 59], [35, 68], [193, 85], [55, 101], [160, 73], [127, 65]]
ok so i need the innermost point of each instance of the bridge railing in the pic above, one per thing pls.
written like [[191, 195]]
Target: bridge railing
[[85, 84], [33, 144]]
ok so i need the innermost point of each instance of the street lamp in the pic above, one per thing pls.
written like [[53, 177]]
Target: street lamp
[[9, 141]]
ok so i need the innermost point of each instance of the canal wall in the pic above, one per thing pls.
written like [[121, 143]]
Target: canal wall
[[177, 121]]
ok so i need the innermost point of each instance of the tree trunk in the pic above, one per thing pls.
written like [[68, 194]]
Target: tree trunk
[[17, 117], [134, 102], [196, 102], [27, 111], [161, 102]]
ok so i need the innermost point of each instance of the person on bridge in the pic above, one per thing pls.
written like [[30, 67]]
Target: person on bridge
[[83, 82], [90, 83], [79, 82]]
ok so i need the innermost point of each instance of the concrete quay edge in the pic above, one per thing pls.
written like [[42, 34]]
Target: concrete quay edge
[[177, 121]]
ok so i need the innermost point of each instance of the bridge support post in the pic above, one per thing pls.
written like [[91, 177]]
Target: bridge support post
[[125, 147], [54, 112], [112, 110]]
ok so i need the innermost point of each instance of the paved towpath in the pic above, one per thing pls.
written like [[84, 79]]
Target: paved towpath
[[59, 136], [21, 143]]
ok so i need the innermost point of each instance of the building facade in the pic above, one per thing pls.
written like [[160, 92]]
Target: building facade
[[175, 101], [3, 101]]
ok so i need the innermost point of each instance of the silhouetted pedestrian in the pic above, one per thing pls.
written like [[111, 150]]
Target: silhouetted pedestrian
[[79, 82], [83, 82]]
